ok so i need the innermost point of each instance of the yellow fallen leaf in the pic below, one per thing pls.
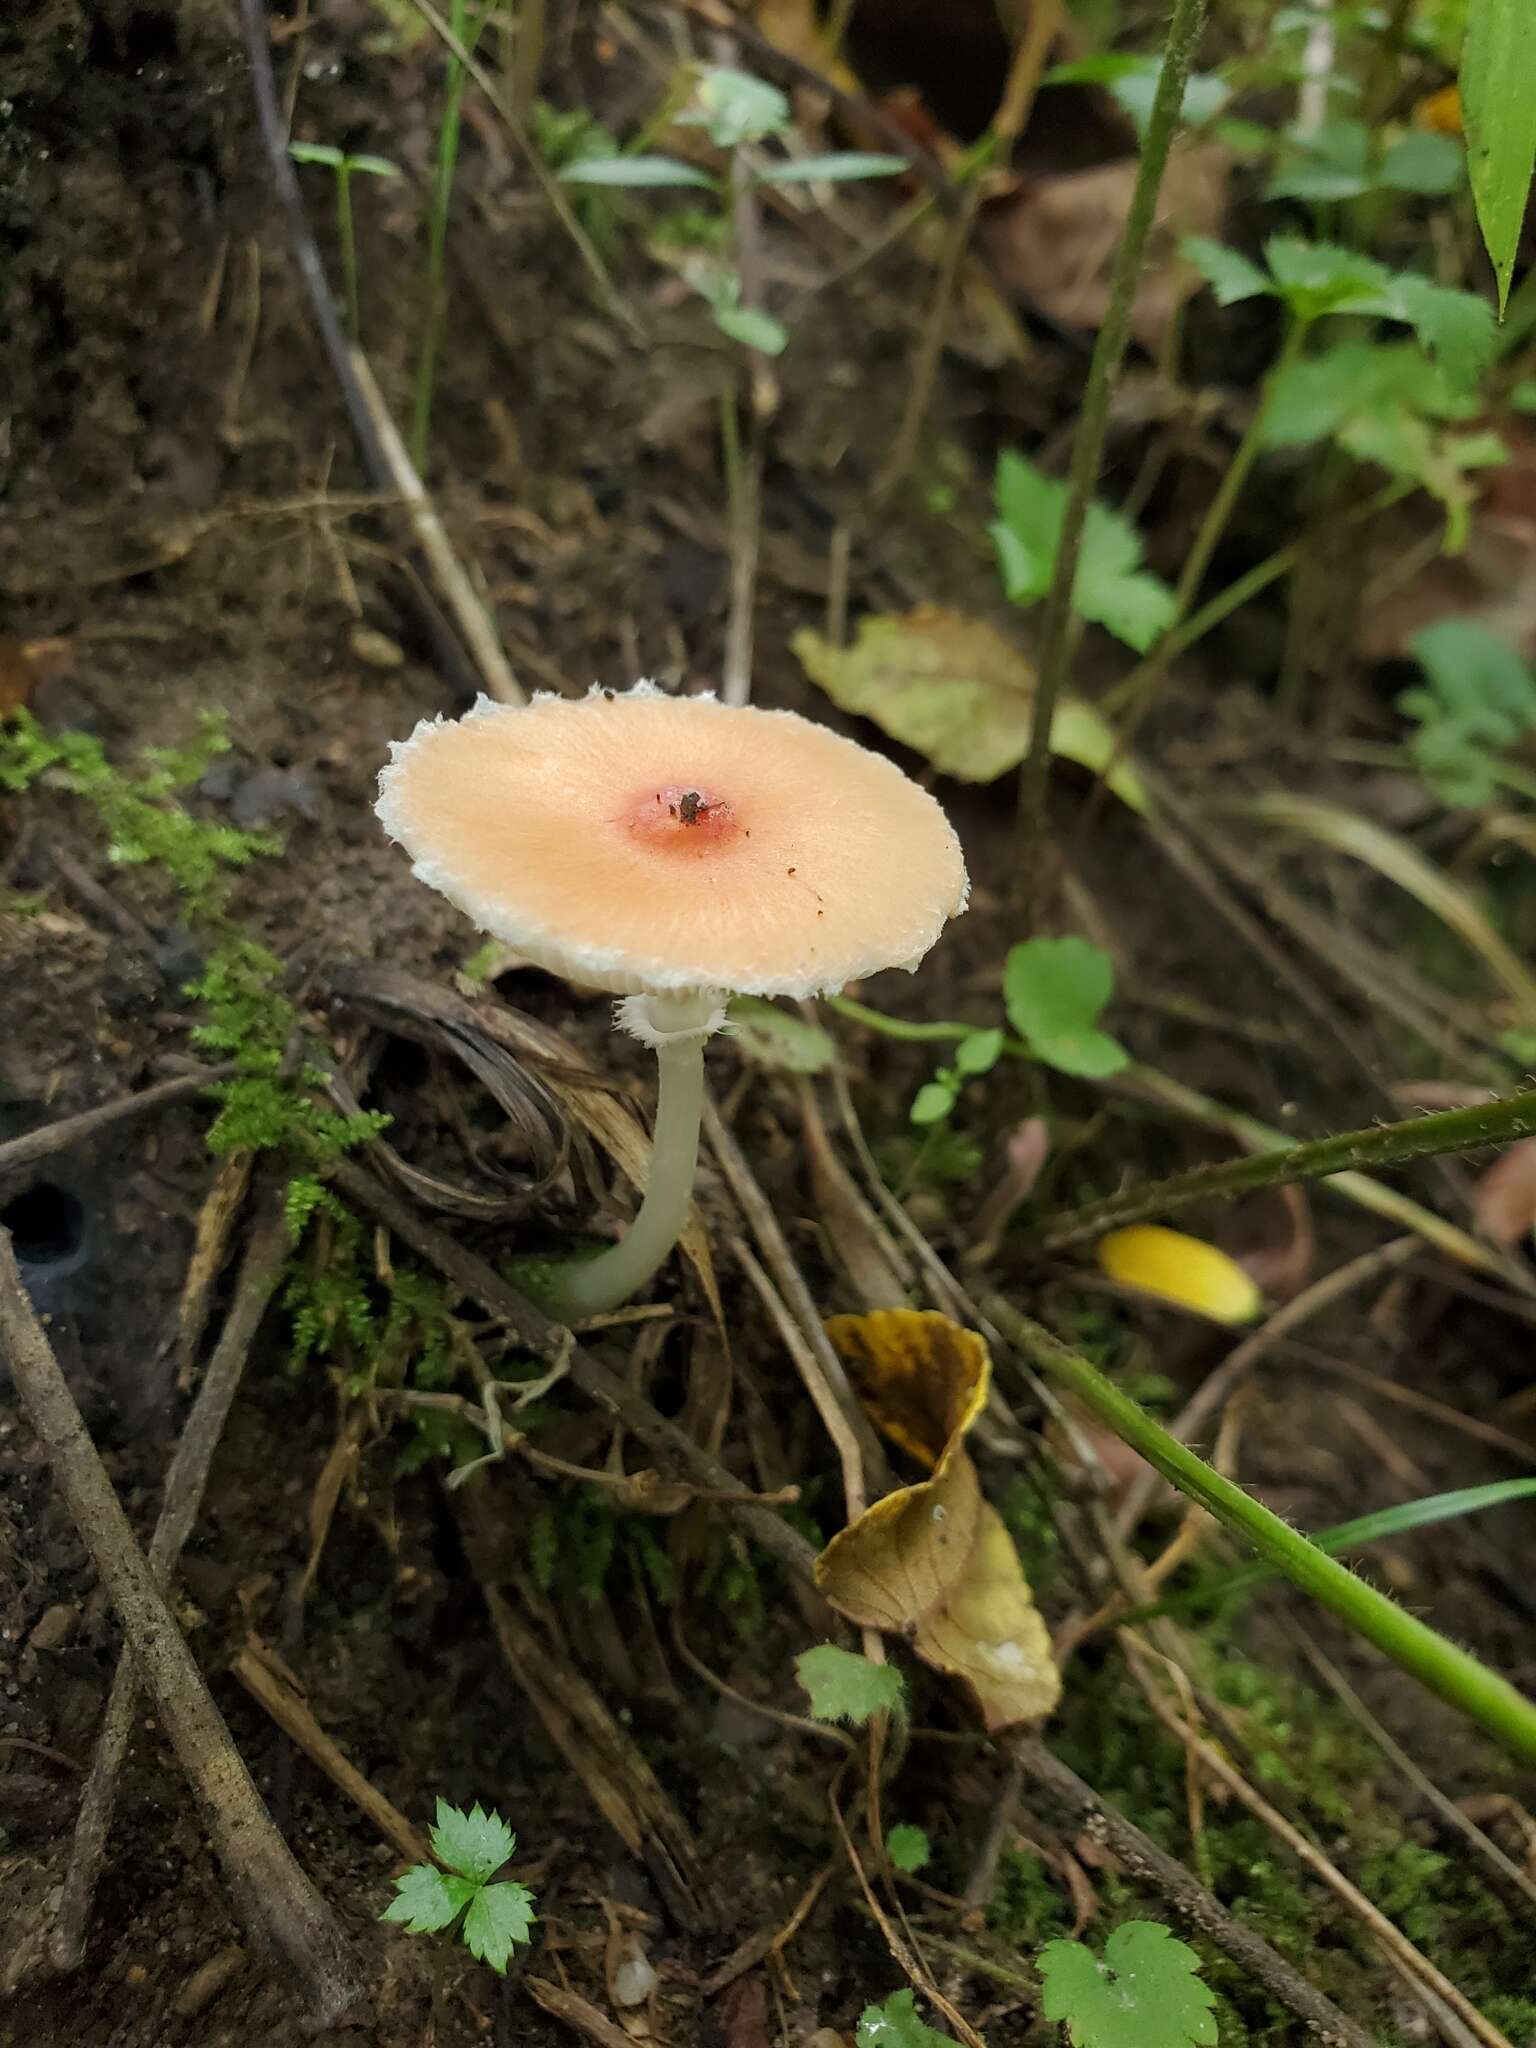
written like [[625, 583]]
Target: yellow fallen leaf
[[1187, 1270], [990, 1634], [922, 1378], [933, 1561]]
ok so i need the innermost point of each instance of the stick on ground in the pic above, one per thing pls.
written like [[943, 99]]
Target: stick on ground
[[273, 1897]]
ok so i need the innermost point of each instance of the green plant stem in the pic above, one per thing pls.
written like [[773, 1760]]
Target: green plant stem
[[1420, 1137], [347, 233], [899, 1027], [1437, 1663], [1236, 595], [1220, 509], [1088, 443], [527, 59], [437, 235]]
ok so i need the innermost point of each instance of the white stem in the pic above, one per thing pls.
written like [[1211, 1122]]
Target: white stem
[[591, 1287]]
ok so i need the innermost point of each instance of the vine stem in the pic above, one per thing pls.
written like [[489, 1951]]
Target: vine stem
[[1088, 443], [1418, 1137], [1441, 1665]]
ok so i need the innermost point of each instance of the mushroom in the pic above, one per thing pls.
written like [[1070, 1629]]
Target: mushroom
[[674, 851]]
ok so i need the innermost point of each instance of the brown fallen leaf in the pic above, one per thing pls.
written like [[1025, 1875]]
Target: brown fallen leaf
[[24, 664], [933, 1561], [1504, 1197], [1056, 241]]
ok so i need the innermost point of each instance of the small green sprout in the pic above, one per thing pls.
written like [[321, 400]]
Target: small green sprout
[[843, 1686], [344, 166], [1146, 1992], [908, 1847], [495, 1917], [896, 2025], [975, 1055], [1054, 990]]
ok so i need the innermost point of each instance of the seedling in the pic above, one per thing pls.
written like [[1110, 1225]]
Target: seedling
[[843, 1686], [675, 851], [1054, 991], [1147, 1992], [738, 113], [1111, 588], [490, 1919], [908, 1847], [1480, 701], [897, 2024], [344, 167]]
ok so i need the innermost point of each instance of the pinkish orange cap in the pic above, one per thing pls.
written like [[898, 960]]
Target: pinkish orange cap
[[639, 842]]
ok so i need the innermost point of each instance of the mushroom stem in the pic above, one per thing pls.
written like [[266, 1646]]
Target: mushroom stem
[[677, 1026]]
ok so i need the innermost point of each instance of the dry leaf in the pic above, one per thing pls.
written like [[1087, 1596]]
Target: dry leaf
[[1182, 1269], [990, 1634], [1504, 1198], [933, 1561], [26, 663], [923, 1379], [958, 691], [1057, 241]]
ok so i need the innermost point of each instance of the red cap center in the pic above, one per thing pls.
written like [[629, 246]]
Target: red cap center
[[681, 818]]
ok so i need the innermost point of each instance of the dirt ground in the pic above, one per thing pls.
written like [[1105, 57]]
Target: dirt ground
[[169, 428]]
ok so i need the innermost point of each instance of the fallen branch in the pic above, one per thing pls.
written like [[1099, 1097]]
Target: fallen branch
[[17, 1154], [1188, 1897], [273, 1897]]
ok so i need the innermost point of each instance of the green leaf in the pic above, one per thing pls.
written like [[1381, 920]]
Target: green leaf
[[752, 328], [1498, 101], [1230, 275], [907, 1846], [427, 1900], [1205, 95], [1422, 161], [842, 1686], [735, 108], [979, 1053], [476, 1843], [838, 168], [500, 1916], [778, 1038], [1456, 327], [1355, 379], [1319, 277], [933, 1102], [1480, 701], [1146, 1993], [896, 2025], [317, 153], [1053, 990], [636, 171], [1111, 588], [1331, 164]]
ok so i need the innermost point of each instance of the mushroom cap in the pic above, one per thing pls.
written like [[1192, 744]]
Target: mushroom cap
[[638, 842]]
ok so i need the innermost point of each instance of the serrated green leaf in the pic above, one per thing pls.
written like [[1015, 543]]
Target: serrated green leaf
[[1053, 990], [907, 1846], [476, 1843], [1228, 273], [896, 2024], [1481, 700], [1146, 1990], [1320, 277], [1111, 588], [428, 1900], [843, 1686], [837, 168], [1456, 327], [1498, 100], [500, 1916], [639, 172]]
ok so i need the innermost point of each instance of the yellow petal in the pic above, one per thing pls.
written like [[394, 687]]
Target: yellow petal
[[1182, 1269]]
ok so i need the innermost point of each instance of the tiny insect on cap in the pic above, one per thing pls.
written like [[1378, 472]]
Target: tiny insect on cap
[[635, 842]]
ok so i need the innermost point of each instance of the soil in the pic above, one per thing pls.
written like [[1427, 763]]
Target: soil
[[165, 400]]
